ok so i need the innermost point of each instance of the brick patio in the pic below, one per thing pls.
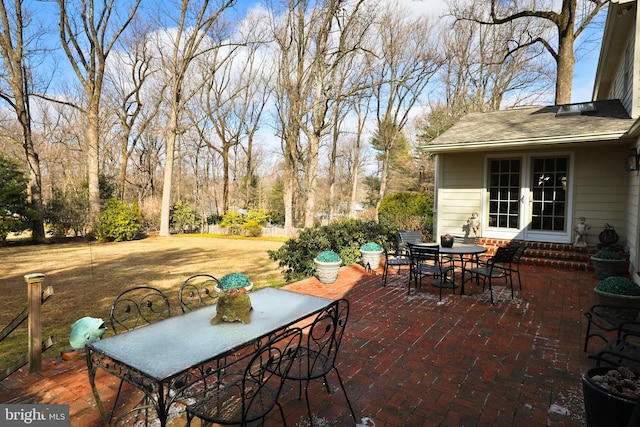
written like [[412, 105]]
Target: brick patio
[[412, 360]]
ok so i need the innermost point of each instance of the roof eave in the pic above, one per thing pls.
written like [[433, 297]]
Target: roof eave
[[525, 142]]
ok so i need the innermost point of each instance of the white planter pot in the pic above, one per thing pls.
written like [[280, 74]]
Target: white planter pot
[[327, 272], [371, 258]]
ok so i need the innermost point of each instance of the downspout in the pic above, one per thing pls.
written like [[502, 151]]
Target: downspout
[[436, 187]]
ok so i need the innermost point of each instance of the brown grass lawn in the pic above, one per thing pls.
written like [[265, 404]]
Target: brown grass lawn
[[86, 277]]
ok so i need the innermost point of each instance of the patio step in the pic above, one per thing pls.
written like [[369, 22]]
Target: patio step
[[546, 254]]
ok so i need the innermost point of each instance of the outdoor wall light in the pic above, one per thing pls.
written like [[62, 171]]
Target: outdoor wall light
[[632, 160]]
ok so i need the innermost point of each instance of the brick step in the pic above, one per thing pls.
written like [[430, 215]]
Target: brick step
[[558, 255]]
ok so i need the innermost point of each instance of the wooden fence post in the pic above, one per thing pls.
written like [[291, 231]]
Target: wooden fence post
[[34, 283]]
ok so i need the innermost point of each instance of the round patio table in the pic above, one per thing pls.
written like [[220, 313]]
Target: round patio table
[[464, 251]]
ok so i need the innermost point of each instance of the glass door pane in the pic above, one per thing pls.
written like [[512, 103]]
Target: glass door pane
[[504, 193], [549, 193]]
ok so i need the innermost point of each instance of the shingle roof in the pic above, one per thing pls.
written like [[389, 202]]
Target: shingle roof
[[534, 126]]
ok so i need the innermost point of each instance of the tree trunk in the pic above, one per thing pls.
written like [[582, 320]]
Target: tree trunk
[[168, 175], [93, 167], [566, 56]]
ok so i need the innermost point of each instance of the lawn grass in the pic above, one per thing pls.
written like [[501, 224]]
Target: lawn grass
[[87, 276]]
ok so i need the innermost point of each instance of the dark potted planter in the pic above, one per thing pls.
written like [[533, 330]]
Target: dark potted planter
[[446, 241], [327, 265], [621, 292], [606, 407], [608, 236], [607, 263]]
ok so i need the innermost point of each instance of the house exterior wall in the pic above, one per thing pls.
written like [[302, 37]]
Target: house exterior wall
[[600, 192], [461, 190], [625, 85], [600, 189]]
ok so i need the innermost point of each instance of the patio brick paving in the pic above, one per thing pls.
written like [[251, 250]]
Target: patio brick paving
[[412, 360]]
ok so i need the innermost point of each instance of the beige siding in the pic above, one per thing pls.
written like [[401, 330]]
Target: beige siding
[[632, 223], [600, 185], [622, 87], [460, 194]]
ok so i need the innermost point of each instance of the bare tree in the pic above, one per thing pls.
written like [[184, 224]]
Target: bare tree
[[89, 31], [133, 107], [187, 39], [569, 22], [16, 74], [404, 62], [311, 44], [232, 100]]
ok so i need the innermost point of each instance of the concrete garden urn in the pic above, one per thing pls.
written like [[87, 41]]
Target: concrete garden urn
[[620, 292], [327, 265], [607, 263], [371, 253]]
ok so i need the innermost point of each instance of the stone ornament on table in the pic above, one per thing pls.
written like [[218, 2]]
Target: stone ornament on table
[[234, 304]]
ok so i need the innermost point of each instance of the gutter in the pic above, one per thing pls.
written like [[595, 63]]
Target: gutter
[[530, 142]]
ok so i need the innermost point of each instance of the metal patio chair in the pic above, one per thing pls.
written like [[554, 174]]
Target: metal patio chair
[[317, 355], [426, 261], [496, 267], [198, 291], [252, 394]]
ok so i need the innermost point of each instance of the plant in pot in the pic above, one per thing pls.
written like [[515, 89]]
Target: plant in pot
[[610, 396], [607, 263], [327, 265], [621, 292], [234, 304], [446, 240], [371, 253]]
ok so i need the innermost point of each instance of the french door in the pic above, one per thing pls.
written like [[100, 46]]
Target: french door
[[529, 198]]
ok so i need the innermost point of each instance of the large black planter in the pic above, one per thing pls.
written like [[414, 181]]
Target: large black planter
[[604, 408]]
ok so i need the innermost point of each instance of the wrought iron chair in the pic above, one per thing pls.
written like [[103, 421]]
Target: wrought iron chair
[[496, 267], [138, 306], [610, 322], [623, 350], [131, 309], [250, 395], [426, 260], [521, 247], [197, 291], [317, 355], [395, 259], [400, 256]]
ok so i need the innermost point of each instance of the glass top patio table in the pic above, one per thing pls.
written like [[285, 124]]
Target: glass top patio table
[[172, 347]]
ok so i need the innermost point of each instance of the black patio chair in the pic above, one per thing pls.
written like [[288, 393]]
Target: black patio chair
[[250, 395], [610, 322], [317, 355], [426, 261], [197, 291], [394, 259], [623, 350], [133, 308], [521, 247], [496, 267], [399, 256]]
